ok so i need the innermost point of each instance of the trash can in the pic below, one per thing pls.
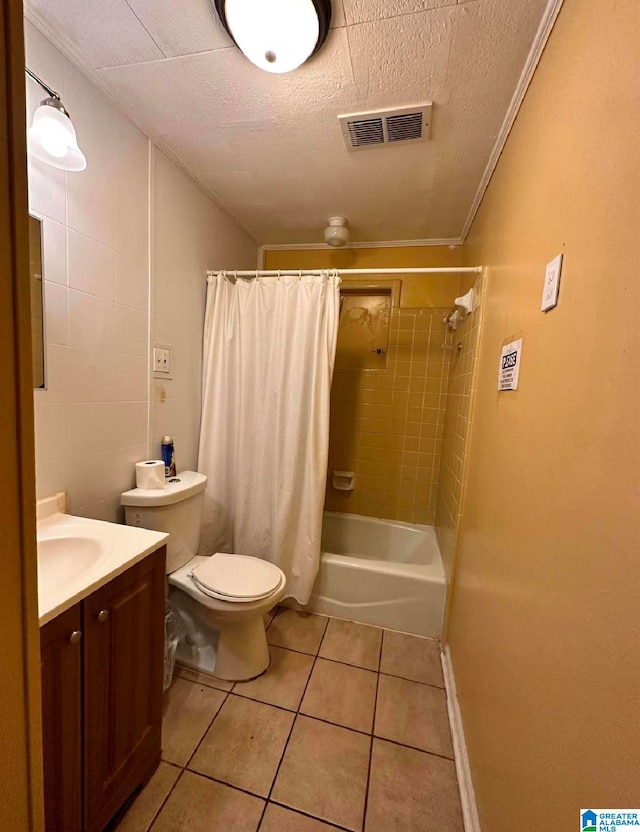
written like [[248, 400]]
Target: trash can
[[173, 632]]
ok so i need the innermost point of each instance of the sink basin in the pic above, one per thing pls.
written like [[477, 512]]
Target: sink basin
[[64, 559], [78, 555]]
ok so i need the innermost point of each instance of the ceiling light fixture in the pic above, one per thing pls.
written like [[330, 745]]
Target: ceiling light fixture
[[52, 137], [336, 234], [276, 35]]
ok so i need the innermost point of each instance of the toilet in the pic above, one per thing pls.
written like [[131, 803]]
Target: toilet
[[221, 598]]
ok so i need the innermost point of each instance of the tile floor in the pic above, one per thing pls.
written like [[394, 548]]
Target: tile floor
[[347, 730]]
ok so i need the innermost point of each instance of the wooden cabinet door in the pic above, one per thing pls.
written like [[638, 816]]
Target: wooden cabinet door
[[123, 671], [61, 656]]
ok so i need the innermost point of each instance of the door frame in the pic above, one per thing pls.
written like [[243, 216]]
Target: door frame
[[20, 716]]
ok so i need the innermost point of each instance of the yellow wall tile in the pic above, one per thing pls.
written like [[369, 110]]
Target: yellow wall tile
[[376, 421]]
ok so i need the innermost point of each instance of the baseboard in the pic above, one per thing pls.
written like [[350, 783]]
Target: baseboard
[[465, 783]]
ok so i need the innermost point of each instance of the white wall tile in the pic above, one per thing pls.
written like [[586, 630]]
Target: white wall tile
[[57, 317], [45, 61], [126, 378], [92, 266], [191, 236], [92, 193], [131, 337], [132, 191], [98, 427], [108, 510], [66, 376], [187, 451], [54, 248], [132, 283], [92, 420], [92, 478], [90, 322], [47, 190], [167, 330]]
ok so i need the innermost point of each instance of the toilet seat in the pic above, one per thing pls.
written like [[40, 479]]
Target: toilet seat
[[247, 577], [181, 579], [211, 593], [236, 578]]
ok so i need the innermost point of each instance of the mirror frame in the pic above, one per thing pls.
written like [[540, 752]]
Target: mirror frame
[[43, 326]]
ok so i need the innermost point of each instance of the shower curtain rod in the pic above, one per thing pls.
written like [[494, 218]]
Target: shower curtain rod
[[346, 272]]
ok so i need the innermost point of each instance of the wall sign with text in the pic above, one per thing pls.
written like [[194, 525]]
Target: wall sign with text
[[509, 368]]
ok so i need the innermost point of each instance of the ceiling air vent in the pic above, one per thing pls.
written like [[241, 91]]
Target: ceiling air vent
[[409, 124]]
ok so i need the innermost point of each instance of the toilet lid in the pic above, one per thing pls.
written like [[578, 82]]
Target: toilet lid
[[236, 576]]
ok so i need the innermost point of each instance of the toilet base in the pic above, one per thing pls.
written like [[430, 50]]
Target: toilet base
[[236, 651], [243, 652]]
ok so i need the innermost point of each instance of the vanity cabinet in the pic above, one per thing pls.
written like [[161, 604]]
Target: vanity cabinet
[[102, 669], [61, 657]]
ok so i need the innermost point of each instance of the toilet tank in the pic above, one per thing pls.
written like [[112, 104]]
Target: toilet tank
[[176, 509]]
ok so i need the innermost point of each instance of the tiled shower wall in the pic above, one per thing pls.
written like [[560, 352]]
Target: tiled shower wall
[[455, 439], [387, 425]]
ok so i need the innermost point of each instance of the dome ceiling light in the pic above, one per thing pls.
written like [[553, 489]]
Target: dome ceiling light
[[52, 137], [276, 35], [336, 234]]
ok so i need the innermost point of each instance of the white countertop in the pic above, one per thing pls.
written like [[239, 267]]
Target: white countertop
[[76, 556]]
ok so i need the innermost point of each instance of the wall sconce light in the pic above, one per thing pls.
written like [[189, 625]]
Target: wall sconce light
[[336, 234], [276, 35], [52, 137]]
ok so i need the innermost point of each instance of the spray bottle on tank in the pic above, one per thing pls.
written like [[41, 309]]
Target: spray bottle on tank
[[169, 456]]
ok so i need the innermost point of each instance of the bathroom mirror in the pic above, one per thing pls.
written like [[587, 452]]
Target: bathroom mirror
[[37, 301]]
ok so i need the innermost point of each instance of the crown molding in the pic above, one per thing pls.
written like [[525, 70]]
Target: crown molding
[[533, 58], [81, 62], [445, 241]]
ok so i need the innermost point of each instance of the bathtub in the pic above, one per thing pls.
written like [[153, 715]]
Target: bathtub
[[380, 572]]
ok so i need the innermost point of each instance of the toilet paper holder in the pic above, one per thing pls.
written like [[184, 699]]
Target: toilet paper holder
[[344, 480]]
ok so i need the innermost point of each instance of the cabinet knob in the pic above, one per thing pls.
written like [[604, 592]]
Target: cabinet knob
[[103, 615], [75, 637]]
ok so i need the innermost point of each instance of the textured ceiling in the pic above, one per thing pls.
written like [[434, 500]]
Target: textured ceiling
[[269, 147]]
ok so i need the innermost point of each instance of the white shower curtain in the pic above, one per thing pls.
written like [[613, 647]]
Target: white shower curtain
[[269, 351]]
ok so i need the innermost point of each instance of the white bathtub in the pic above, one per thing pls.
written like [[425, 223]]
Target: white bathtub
[[380, 572]]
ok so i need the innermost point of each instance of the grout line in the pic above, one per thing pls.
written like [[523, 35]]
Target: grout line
[[415, 747], [204, 684], [222, 704], [224, 783], [295, 719], [373, 728], [164, 802], [259, 797], [357, 666], [415, 681], [307, 815]]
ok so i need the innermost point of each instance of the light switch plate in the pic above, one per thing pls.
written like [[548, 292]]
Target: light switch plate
[[551, 287], [161, 360]]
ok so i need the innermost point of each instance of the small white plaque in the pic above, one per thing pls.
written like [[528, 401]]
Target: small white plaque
[[509, 368], [551, 286]]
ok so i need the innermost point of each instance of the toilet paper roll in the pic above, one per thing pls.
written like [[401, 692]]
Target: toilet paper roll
[[150, 474]]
